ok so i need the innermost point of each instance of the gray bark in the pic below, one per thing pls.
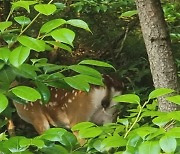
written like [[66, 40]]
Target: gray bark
[[158, 46]]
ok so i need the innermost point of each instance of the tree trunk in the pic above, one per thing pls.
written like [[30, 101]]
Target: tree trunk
[[158, 46]]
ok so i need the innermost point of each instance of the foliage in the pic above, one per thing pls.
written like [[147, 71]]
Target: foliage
[[131, 134]]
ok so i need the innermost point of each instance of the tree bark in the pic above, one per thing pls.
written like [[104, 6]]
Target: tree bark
[[158, 46]]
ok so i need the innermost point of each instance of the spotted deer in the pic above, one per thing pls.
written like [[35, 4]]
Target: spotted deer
[[67, 108]]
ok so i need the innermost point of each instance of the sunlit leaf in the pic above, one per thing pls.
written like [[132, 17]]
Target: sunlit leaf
[[3, 102], [46, 9], [32, 43], [63, 35], [5, 25], [26, 93], [127, 98], [51, 25], [19, 55], [160, 92], [79, 23], [96, 63], [22, 20]]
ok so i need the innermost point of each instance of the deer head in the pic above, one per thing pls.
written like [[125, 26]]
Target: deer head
[[67, 108]]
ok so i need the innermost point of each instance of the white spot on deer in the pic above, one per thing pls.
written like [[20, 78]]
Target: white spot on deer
[[73, 98], [62, 98], [73, 91], [51, 89], [75, 94], [65, 94], [31, 104], [62, 107], [56, 95], [65, 105], [69, 101]]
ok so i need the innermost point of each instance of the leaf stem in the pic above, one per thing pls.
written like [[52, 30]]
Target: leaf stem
[[137, 118], [33, 20]]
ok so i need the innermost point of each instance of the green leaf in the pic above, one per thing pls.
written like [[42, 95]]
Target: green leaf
[[54, 149], [76, 83], [90, 132], [51, 25], [38, 143], [129, 14], [174, 132], [19, 55], [85, 70], [114, 141], [174, 99], [127, 98], [27, 71], [3, 102], [22, 20], [79, 23], [23, 4], [46, 9], [63, 35], [60, 45], [7, 75], [144, 131], [1, 64], [168, 144], [13, 144], [149, 147], [26, 93], [32, 43], [5, 25], [161, 120], [82, 125], [4, 54], [53, 134], [91, 79], [96, 63], [44, 91], [160, 92]]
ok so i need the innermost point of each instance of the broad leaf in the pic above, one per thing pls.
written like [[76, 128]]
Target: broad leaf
[[53, 134], [174, 132], [82, 125], [90, 132], [128, 14], [46, 9], [27, 71], [44, 91], [7, 75], [85, 70], [54, 149], [75, 83], [168, 144], [160, 92], [32, 43], [4, 54], [26, 93], [79, 23], [96, 63], [149, 147], [19, 55], [51, 25], [23, 4], [60, 45], [114, 141], [127, 98], [5, 25], [63, 35], [174, 99], [3, 102], [161, 120], [22, 20]]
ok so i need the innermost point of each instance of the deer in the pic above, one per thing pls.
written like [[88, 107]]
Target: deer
[[67, 108]]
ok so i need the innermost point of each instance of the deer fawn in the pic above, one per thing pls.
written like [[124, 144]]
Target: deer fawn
[[67, 108]]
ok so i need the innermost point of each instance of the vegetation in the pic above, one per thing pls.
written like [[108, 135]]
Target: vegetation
[[33, 31]]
